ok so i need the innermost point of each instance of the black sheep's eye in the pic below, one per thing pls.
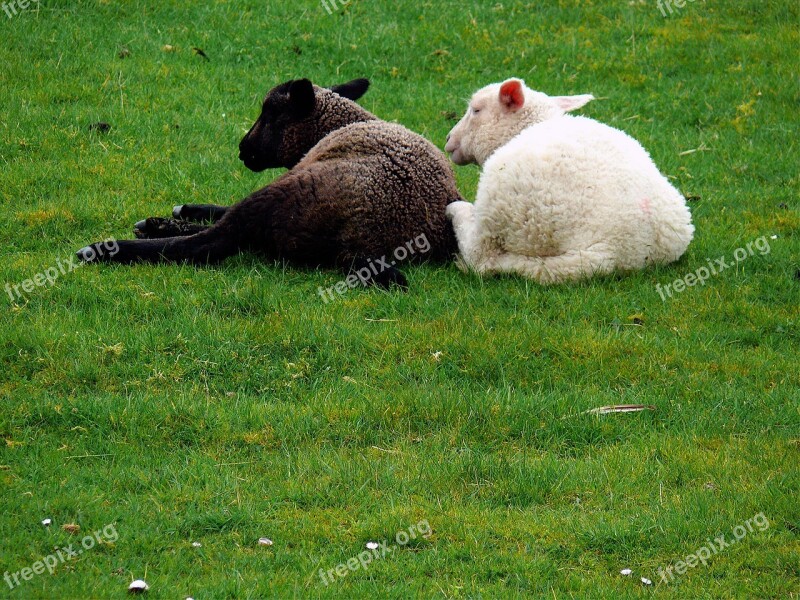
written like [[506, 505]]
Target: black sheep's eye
[[268, 117]]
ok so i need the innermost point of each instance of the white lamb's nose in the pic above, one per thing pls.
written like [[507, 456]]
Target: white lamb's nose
[[448, 138]]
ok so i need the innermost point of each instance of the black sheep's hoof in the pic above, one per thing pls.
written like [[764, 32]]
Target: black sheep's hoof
[[159, 227], [99, 252], [198, 213], [154, 227], [140, 229], [391, 278], [380, 274], [86, 254]]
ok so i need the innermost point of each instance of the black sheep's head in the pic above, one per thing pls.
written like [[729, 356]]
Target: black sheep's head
[[289, 123]]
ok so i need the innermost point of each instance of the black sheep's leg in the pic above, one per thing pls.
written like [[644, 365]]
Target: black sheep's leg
[[212, 244], [202, 248], [244, 226], [183, 223], [159, 227], [199, 212], [365, 273], [376, 272]]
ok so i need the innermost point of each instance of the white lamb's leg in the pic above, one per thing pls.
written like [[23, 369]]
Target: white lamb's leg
[[462, 216], [475, 250], [570, 266]]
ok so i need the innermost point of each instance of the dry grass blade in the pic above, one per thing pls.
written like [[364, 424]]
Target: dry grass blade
[[619, 408]]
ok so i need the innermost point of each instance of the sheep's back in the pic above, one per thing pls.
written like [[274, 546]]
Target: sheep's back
[[567, 183], [386, 185]]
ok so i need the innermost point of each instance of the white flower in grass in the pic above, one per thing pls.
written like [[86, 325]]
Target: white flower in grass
[[139, 586]]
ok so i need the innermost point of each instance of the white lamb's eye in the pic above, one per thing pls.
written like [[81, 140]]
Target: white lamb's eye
[[475, 111]]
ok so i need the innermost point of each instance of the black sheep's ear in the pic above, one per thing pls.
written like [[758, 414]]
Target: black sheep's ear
[[353, 90], [301, 97]]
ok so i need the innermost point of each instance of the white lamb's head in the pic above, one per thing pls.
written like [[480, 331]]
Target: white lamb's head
[[500, 111]]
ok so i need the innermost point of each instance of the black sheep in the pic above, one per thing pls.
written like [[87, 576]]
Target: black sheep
[[358, 189]]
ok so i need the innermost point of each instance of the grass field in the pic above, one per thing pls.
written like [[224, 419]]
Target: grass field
[[173, 405]]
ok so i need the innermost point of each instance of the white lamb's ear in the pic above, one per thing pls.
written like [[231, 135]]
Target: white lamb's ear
[[512, 94], [570, 103]]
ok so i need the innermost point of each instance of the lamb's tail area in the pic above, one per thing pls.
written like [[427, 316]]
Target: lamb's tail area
[[672, 236]]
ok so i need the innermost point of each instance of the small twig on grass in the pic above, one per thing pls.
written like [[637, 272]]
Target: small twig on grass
[[700, 148], [88, 456], [387, 451], [621, 408]]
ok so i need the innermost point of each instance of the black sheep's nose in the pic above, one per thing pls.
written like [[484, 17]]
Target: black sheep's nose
[[245, 150], [245, 143]]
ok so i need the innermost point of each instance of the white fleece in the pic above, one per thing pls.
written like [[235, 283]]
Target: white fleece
[[566, 198]]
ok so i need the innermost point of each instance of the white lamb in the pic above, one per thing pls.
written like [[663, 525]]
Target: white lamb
[[560, 197]]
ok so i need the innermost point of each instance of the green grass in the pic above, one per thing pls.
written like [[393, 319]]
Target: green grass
[[224, 404]]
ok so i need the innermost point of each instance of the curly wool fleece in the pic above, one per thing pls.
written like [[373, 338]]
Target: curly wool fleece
[[560, 197]]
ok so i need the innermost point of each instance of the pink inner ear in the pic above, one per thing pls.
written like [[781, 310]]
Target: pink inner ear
[[512, 96], [570, 103]]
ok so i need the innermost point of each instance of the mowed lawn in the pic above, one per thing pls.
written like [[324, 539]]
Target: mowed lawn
[[162, 407]]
